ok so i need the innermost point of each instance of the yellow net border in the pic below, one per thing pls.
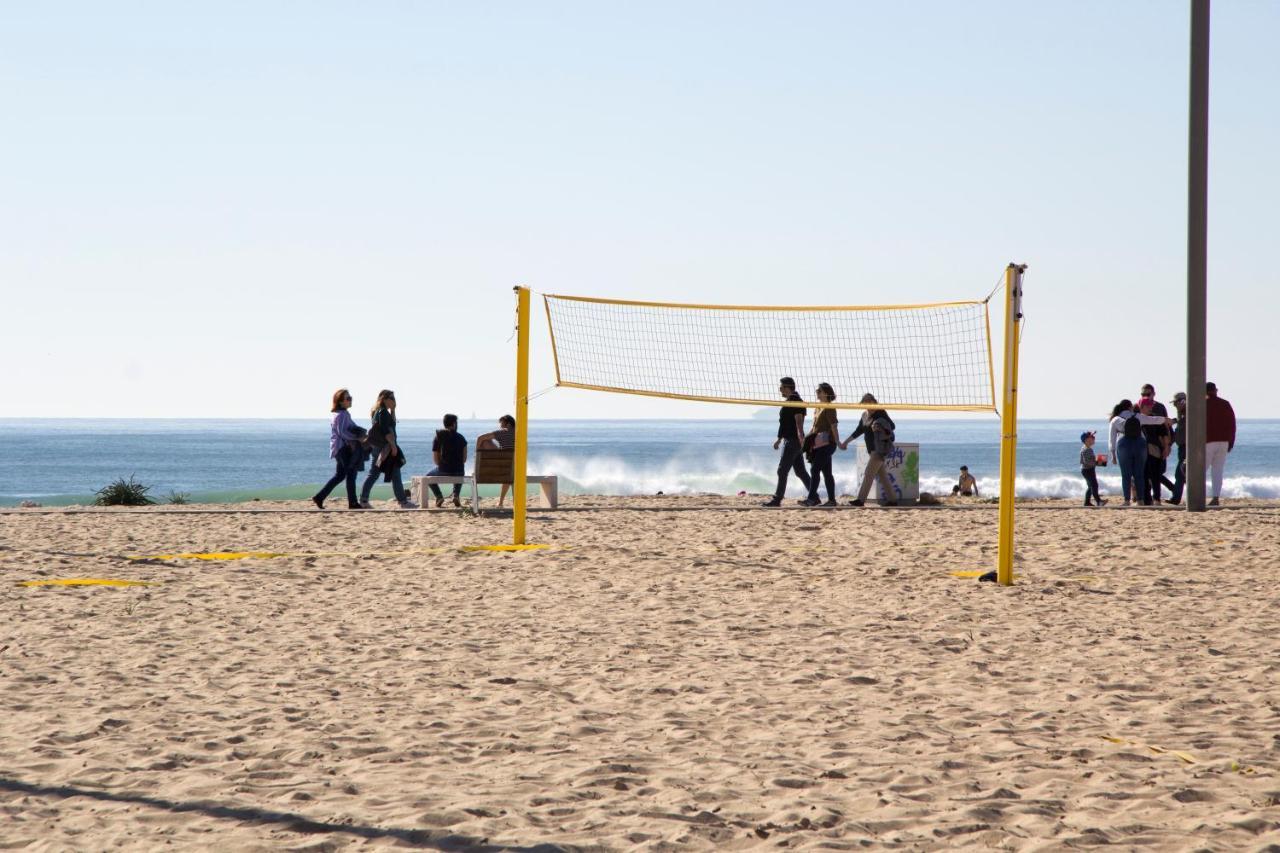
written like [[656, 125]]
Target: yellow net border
[[982, 349]]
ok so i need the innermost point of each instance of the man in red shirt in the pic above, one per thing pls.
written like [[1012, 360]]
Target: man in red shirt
[[1219, 436]]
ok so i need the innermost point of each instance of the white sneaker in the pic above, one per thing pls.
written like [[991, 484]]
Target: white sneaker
[[365, 505]]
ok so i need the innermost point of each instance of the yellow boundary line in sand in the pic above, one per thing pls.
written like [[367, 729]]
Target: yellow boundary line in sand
[[1185, 757], [271, 555]]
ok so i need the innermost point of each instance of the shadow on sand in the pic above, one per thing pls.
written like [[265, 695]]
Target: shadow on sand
[[287, 821]]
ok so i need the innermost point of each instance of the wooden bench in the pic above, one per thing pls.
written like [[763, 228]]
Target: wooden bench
[[493, 467], [497, 467]]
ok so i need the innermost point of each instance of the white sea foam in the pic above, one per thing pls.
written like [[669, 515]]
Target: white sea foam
[[727, 474]]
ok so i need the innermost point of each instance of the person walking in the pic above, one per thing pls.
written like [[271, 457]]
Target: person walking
[[823, 438], [1180, 442], [877, 430], [791, 437], [344, 448], [1219, 437], [449, 451], [1088, 470], [388, 458]]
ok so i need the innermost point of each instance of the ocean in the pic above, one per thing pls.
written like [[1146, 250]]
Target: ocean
[[63, 462]]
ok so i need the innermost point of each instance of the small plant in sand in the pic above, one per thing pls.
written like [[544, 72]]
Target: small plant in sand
[[179, 498], [124, 493]]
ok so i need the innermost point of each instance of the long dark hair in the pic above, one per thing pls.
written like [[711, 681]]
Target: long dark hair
[[1123, 405], [382, 398]]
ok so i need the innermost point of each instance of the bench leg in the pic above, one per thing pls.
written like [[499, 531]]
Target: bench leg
[[549, 496]]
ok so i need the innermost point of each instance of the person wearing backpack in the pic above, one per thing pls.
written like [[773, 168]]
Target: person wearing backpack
[[1129, 450], [878, 430]]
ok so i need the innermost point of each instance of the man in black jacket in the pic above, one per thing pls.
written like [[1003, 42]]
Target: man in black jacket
[[791, 437]]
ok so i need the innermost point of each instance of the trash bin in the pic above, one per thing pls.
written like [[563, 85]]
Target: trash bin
[[903, 467]]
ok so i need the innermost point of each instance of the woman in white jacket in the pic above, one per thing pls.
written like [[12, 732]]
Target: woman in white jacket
[[1129, 448]]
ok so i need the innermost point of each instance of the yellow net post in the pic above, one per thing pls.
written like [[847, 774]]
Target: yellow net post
[[520, 483], [1009, 423]]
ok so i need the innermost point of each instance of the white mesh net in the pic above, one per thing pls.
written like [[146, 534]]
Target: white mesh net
[[913, 357]]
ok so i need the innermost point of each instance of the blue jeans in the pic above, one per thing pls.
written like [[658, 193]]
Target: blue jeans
[[397, 486], [1132, 453], [442, 471], [347, 467]]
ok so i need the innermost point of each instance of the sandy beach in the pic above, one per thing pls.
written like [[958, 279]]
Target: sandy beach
[[672, 672]]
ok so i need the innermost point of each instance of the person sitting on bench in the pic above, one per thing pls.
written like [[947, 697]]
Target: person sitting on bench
[[503, 438], [449, 451]]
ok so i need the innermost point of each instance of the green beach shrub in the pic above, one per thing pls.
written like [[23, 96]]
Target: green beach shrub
[[124, 493], [178, 498]]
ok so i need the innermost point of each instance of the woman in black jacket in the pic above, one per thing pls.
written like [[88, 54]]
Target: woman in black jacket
[[877, 429], [387, 456]]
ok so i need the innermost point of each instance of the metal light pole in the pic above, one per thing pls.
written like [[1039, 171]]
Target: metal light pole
[[1197, 251]]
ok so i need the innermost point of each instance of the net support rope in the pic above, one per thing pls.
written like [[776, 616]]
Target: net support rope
[[924, 357]]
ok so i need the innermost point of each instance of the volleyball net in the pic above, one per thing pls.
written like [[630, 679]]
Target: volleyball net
[[934, 357]]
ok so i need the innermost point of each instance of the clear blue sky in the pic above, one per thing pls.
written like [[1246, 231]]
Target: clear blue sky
[[228, 209]]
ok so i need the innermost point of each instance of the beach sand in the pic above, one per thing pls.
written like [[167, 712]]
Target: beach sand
[[674, 672]]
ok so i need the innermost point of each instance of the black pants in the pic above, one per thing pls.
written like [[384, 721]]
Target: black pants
[[346, 470], [1179, 476], [820, 465], [1091, 485], [792, 459], [1155, 476]]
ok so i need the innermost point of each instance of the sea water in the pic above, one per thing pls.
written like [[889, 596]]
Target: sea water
[[65, 462]]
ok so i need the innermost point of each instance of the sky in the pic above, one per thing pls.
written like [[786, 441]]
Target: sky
[[230, 209]]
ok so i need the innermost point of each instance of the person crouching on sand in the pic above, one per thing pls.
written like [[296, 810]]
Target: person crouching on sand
[[968, 486], [1088, 464], [822, 440], [388, 457], [345, 449], [502, 438]]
